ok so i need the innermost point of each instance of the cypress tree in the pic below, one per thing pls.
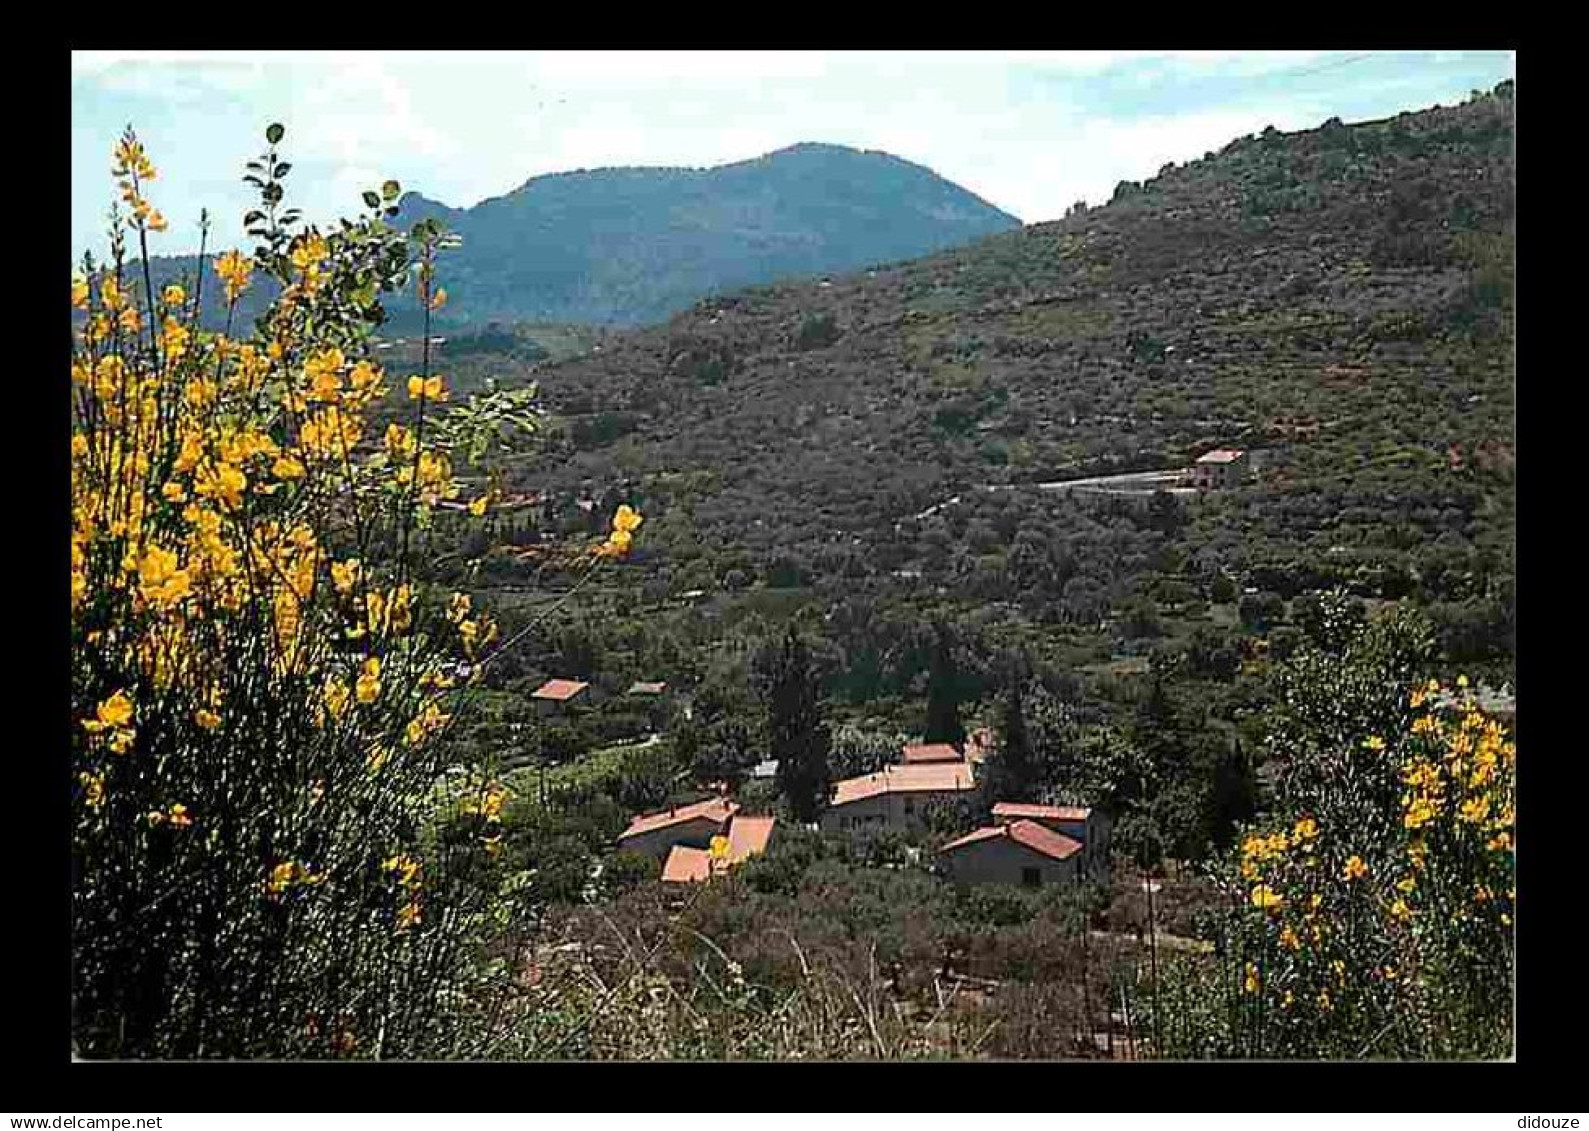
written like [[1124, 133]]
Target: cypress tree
[[943, 693], [1012, 773], [799, 738]]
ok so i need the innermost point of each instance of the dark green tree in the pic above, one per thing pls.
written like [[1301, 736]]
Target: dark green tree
[[1013, 773], [943, 691], [799, 738]]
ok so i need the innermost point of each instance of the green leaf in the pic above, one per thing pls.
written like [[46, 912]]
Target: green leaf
[[283, 168], [274, 132], [371, 200], [391, 190]]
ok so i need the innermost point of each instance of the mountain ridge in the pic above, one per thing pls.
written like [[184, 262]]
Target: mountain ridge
[[628, 246]]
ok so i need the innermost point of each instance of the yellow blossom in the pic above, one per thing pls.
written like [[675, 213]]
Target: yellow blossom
[[1266, 898], [627, 519], [344, 575], [234, 269], [1475, 809], [93, 789], [1354, 869], [430, 389], [115, 711], [369, 681]]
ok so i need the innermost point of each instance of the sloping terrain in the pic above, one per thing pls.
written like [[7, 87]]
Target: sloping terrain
[[1338, 298]]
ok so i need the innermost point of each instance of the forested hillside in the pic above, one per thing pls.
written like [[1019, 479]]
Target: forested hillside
[[1337, 300]]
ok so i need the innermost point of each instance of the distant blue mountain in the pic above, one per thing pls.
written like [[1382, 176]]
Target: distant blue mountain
[[636, 245]]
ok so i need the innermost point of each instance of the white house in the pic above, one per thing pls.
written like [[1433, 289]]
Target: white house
[[895, 797]]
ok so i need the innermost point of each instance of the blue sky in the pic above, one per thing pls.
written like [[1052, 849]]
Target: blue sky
[[1031, 132]]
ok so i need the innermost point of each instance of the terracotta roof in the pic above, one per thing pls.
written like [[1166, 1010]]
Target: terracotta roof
[[687, 865], [1018, 810], [716, 809], [1028, 834], [647, 688], [748, 836], [932, 752], [559, 689], [1221, 455], [914, 777]]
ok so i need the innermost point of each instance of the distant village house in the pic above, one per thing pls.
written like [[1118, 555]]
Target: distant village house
[[1018, 852], [693, 826], [746, 837], [1090, 827], [559, 695], [1222, 467], [896, 797]]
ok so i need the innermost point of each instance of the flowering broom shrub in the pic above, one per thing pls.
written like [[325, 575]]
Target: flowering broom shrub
[[260, 669], [1373, 919]]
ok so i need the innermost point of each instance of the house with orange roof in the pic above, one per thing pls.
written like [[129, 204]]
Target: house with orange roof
[[895, 797], [746, 837], [1018, 852], [557, 695], [694, 826], [1082, 823]]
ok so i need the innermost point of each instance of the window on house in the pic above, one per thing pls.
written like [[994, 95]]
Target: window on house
[[1031, 877], [910, 806]]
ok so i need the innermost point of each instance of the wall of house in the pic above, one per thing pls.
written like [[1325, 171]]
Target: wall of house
[[901, 811], [1002, 861], [696, 833]]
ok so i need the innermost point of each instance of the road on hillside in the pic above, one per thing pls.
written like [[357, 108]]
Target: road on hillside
[[1128, 483]]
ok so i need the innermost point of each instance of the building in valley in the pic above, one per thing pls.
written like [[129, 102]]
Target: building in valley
[[1091, 827], [745, 837], [896, 797], [1018, 852], [558, 696], [1222, 467], [694, 826]]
